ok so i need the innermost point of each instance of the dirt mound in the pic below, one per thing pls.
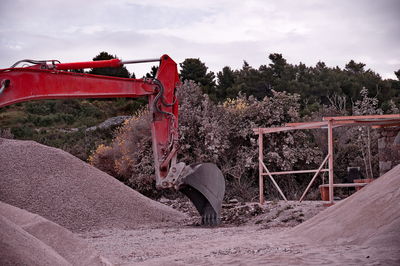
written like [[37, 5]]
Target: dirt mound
[[71, 193], [29, 239], [370, 216], [20, 248]]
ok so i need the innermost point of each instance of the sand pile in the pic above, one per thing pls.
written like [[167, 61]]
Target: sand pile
[[29, 239], [370, 216], [71, 193]]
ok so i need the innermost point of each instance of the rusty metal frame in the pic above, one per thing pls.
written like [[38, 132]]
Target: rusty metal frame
[[329, 123]]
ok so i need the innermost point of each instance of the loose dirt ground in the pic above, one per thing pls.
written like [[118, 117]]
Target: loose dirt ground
[[363, 229], [232, 245], [126, 228]]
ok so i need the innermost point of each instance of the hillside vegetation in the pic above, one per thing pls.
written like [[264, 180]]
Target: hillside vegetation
[[217, 114]]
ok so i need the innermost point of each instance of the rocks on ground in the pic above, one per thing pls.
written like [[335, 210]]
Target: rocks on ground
[[110, 123], [271, 214]]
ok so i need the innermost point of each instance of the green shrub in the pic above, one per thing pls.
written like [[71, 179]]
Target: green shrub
[[22, 132], [40, 107]]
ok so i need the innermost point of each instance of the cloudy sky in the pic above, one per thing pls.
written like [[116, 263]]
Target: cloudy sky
[[219, 32]]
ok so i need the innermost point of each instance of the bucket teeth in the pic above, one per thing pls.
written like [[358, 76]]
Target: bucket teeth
[[210, 219], [205, 187]]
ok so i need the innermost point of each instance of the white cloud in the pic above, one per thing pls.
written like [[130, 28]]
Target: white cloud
[[218, 32], [244, 21], [393, 62]]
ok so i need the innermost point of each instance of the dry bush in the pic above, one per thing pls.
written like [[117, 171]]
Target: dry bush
[[221, 134], [129, 157], [6, 133]]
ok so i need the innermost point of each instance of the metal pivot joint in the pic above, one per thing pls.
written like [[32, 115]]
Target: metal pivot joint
[[4, 84]]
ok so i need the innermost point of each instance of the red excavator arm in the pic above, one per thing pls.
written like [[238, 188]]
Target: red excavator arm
[[202, 183], [47, 80]]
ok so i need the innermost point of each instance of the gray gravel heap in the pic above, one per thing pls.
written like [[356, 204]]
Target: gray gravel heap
[[29, 239], [72, 193]]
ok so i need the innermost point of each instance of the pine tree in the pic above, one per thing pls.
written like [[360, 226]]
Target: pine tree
[[109, 71]]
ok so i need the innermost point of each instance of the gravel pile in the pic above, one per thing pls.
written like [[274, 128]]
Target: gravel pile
[[71, 193], [20, 248], [370, 216], [29, 239]]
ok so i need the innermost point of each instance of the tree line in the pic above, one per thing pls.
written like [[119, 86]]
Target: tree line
[[212, 104], [317, 85]]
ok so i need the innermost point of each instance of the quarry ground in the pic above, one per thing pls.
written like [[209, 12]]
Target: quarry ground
[[257, 236], [243, 245], [49, 198]]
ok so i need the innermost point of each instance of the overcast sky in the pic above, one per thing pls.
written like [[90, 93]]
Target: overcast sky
[[220, 33]]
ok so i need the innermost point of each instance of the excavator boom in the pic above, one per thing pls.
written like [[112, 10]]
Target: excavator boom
[[202, 183]]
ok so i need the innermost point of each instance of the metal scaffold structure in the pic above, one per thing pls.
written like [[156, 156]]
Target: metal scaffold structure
[[329, 123]]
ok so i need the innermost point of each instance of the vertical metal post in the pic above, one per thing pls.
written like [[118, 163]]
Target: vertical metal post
[[260, 167], [330, 152]]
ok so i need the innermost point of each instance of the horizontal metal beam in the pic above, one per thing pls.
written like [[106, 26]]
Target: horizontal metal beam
[[310, 125], [346, 185], [297, 172], [356, 117], [384, 122]]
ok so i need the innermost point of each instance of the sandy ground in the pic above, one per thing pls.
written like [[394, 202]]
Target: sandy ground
[[265, 238], [232, 245]]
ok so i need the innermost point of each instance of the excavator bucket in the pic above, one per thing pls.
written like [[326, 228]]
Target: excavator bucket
[[204, 185]]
